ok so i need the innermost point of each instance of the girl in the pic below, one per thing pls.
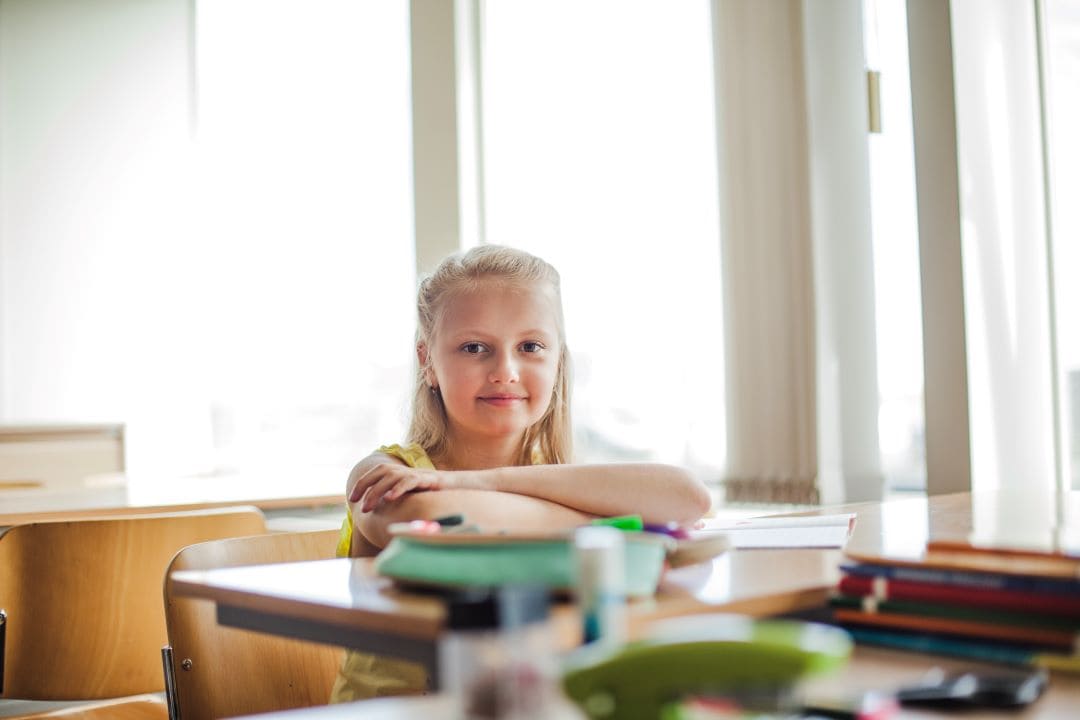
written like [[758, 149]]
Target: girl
[[490, 432]]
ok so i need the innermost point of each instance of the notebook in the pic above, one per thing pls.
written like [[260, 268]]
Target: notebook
[[791, 531]]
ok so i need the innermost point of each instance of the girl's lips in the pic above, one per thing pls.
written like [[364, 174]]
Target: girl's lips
[[502, 400]]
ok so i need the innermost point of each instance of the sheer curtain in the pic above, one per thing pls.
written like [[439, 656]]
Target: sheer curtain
[[798, 261], [768, 253]]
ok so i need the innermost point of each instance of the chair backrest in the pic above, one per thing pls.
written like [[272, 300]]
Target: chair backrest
[[222, 672], [82, 600]]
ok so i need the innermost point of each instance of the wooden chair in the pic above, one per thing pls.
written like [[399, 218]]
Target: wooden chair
[[220, 671], [82, 600]]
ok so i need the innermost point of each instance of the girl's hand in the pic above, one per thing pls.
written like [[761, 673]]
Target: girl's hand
[[390, 481]]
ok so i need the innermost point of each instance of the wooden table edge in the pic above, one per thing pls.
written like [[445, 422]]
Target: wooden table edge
[[423, 626]]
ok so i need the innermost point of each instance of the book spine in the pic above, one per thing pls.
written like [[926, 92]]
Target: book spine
[[1043, 637], [954, 647], [965, 579], [1010, 564], [966, 649], [975, 612], [1003, 599]]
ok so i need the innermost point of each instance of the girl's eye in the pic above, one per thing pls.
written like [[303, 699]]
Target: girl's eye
[[473, 348], [532, 347]]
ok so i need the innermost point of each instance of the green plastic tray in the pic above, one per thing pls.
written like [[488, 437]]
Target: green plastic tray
[[449, 559]]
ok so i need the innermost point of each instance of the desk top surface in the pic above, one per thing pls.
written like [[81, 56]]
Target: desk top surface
[[116, 494], [754, 582]]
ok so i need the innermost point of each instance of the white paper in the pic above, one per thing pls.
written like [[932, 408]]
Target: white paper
[[806, 531]]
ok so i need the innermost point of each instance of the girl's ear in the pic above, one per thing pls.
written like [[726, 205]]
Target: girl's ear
[[425, 367]]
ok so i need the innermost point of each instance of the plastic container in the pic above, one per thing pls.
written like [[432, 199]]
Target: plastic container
[[601, 585], [497, 657]]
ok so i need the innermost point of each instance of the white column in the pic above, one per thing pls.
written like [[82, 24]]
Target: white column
[[447, 172], [849, 463], [435, 160], [933, 109]]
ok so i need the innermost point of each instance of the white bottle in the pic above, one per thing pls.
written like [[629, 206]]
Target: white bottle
[[601, 585]]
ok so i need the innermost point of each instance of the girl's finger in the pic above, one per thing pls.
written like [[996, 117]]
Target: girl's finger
[[365, 481], [377, 491], [369, 479], [402, 487]]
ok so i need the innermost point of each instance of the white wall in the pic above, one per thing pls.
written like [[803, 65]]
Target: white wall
[[94, 106], [241, 299]]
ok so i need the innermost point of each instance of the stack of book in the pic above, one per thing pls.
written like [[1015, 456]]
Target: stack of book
[[1019, 607]]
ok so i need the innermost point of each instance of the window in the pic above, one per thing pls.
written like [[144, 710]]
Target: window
[[901, 419], [224, 265], [1061, 50], [600, 157], [304, 147]]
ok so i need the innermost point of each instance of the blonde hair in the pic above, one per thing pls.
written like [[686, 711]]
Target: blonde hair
[[549, 440]]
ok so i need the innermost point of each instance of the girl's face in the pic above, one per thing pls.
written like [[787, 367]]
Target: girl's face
[[494, 358]]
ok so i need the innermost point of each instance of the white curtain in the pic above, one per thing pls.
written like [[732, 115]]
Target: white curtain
[[798, 269]]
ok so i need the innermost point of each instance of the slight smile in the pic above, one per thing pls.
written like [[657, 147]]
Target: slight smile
[[502, 400]]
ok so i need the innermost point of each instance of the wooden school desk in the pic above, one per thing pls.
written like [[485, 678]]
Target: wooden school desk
[[118, 495], [344, 603]]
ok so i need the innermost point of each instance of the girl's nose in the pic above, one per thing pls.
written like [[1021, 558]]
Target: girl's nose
[[504, 370]]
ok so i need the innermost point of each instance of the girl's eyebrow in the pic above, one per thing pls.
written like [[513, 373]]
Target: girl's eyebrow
[[478, 333], [538, 331]]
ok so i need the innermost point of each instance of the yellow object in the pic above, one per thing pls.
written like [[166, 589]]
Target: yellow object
[[362, 675], [412, 455]]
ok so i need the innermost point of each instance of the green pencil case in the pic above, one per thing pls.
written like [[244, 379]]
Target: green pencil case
[[488, 559], [749, 661]]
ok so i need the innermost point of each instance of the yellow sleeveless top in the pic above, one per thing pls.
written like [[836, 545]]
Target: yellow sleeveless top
[[412, 455], [363, 675]]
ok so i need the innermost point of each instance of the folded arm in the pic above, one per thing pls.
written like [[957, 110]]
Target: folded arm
[[659, 493], [491, 511]]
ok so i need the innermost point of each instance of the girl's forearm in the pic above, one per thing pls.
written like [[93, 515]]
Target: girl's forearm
[[491, 511], [659, 493]]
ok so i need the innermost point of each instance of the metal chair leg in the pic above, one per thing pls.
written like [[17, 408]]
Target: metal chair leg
[[172, 698], [3, 646]]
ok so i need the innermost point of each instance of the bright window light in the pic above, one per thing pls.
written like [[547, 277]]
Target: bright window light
[[305, 206], [600, 156], [1062, 53], [901, 416]]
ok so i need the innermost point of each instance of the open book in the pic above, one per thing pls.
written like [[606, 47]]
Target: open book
[[792, 531]]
